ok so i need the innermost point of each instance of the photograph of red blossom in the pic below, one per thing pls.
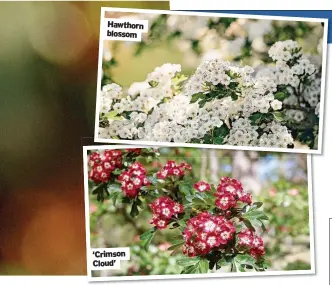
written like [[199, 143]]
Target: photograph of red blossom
[[188, 212], [211, 80]]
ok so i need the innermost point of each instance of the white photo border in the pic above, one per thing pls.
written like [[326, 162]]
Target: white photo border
[[311, 271], [215, 146]]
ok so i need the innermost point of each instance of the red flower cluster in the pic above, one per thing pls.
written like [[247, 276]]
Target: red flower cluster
[[172, 169], [163, 209], [103, 164], [202, 186], [229, 192], [133, 179], [250, 241], [205, 232]]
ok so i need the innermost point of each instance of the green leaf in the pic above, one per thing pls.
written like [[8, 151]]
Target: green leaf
[[139, 203], [200, 196], [280, 96], [239, 228], [114, 196], [182, 223], [234, 267], [126, 200], [179, 79], [279, 116], [257, 205], [177, 237], [190, 269], [97, 189], [249, 225], [261, 265], [198, 202], [148, 188], [223, 262], [185, 188], [196, 97], [258, 215], [188, 261], [244, 259], [203, 266], [147, 234], [114, 187], [113, 115], [147, 238], [240, 262], [263, 227], [153, 180], [153, 83], [174, 225], [234, 96], [99, 192], [256, 118], [176, 241], [175, 246], [117, 171], [134, 210], [220, 133]]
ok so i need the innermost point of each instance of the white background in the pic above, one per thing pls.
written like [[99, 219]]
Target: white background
[[322, 173]]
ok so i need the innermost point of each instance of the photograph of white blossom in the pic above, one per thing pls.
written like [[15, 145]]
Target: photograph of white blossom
[[200, 79]]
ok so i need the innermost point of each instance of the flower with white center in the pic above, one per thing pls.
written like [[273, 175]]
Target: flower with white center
[[211, 241], [166, 212], [225, 235], [209, 226], [276, 105]]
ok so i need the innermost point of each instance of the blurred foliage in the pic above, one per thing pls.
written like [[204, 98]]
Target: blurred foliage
[[288, 230], [284, 200], [298, 265], [48, 79]]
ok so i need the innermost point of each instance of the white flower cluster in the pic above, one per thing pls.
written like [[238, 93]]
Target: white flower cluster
[[215, 72], [181, 121], [287, 72], [294, 70], [256, 95], [284, 51], [295, 115], [217, 93], [109, 94], [243, 133], [142, 97], [275, 135], [311, 92]]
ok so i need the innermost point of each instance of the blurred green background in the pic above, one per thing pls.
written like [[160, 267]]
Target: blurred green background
[[278, 180], [48, 79]]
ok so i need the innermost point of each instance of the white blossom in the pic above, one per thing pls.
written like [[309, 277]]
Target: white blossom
[[276, 105], [217, 94]]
